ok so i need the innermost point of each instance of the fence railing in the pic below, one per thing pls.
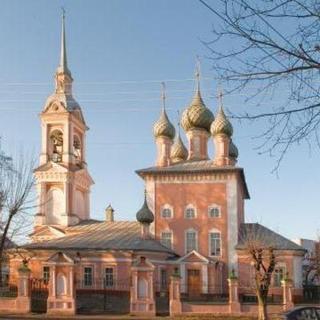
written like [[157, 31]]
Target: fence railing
[[311, 294], [103, 284], [8, 291], [251, 298], [204, 294]]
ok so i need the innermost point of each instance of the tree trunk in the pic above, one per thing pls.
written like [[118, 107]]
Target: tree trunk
[[262, 308]]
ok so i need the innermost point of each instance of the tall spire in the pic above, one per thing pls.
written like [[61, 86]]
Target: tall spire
[[63, 66], [63, 74]]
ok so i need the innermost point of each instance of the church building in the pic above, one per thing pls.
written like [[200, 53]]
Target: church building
[[190, 231]]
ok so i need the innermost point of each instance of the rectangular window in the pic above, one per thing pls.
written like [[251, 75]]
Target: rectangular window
[[109, 277], [214, 212], [163, 279], [190, 213], [46, 274], [166, 213], [191, 241], [87, 276], [166, 239], [215, 244]]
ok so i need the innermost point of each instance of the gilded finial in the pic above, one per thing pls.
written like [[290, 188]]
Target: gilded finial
[[179, 124]]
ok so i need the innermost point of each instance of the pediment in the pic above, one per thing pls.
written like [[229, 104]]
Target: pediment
[[143, 264], [60, 258], [53, 167], [54, 106], [46, 232], [193, 256]]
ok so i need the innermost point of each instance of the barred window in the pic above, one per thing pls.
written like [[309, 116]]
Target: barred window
[[166, 239], [215, 244], [191, 241], [87, 276], [109, 277], [46, 274]]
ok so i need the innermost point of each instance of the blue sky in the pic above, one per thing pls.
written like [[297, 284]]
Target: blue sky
[[119, 51]]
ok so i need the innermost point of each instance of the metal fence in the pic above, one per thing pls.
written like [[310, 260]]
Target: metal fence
[[311, 295], [103, 296], [8, 291], [207, 294]]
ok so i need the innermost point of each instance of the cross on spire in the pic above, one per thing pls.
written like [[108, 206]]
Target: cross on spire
[[163, 95], [220, 96], [178, 112], [198, 73]]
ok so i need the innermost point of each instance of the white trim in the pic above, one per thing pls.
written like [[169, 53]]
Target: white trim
[[190, 206], [185, 239], [214, 230], [167, 206], [167, 231], [200, 256], [233, 228], [214, 206]]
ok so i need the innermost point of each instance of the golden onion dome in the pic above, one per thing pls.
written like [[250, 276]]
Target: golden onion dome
[[221, 124], [178, 151], [163, 127], [197, 115], [233, 150]]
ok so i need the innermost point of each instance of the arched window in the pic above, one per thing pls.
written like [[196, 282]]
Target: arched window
[[279, 274], [54, 205], [77, 151], [215, 243], [191, 240], [166, 211], [142, 288], [56, 145], [214, 211], [190, 212], [61, 284], [166, 239]]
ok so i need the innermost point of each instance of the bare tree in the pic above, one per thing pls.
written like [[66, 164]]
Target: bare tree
[[16, 185], [270, 49], [261, 253]]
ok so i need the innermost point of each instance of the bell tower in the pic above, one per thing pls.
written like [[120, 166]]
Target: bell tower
[[63, 181]]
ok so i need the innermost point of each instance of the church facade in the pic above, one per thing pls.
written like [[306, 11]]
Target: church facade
[[189, 236]]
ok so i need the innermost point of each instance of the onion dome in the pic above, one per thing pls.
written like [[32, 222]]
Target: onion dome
[[197, 115], [233, 150], [163, 127], [221, 124], [144, 215], [178, 151]]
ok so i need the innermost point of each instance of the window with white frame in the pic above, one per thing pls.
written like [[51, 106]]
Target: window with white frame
[[46, 274], [191, 240], [215, 243], [87, 276], [166, 239], [190, 212], [166, 212], [214, 211], [278, 275], [109, 277]]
